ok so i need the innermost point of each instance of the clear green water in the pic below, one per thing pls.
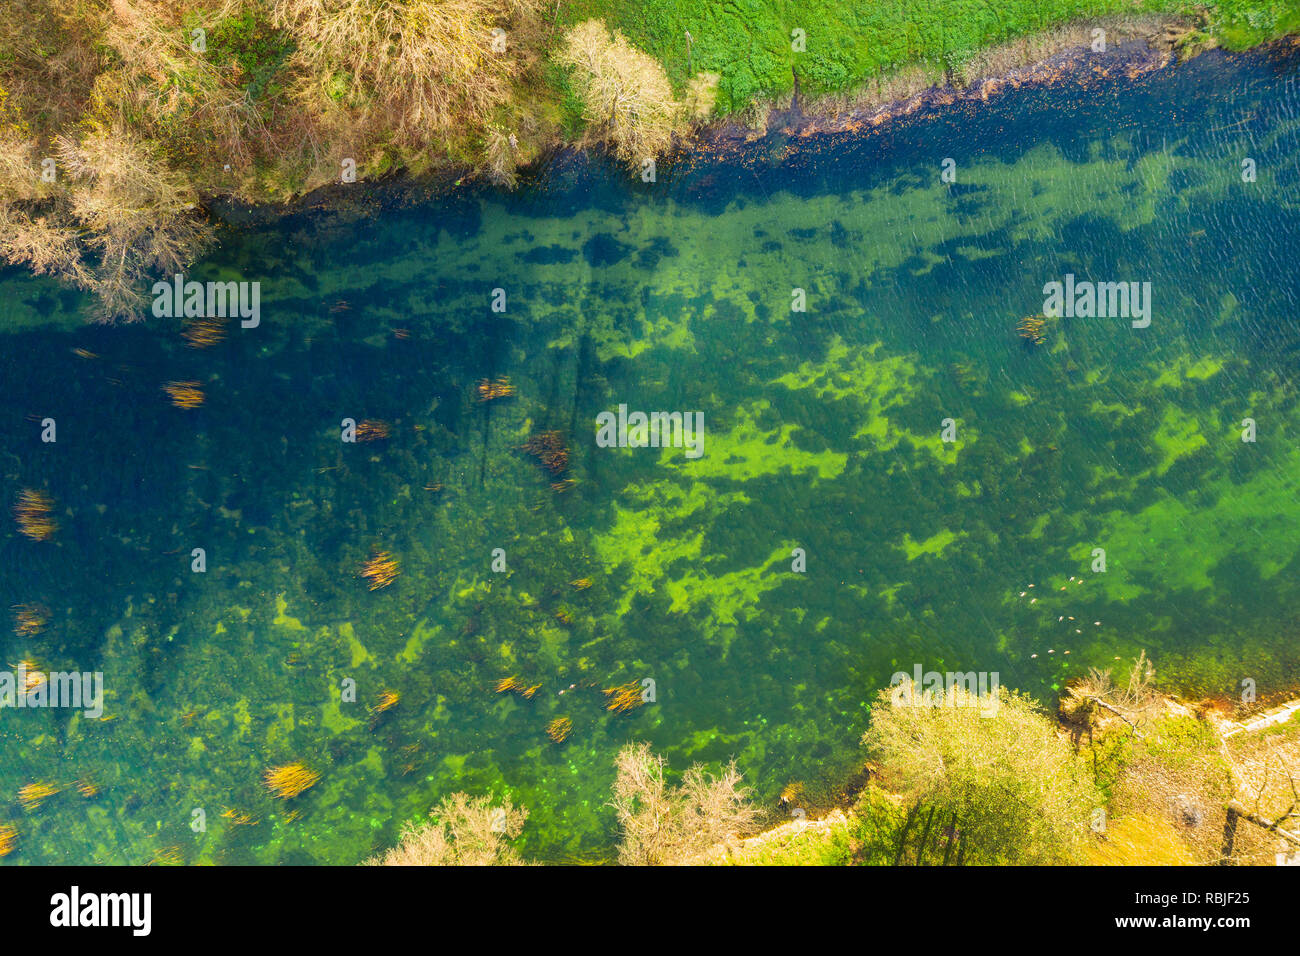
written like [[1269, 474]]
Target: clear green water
[[822, 432]]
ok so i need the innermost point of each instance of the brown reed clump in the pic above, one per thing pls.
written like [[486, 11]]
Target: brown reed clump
[[87, 788], [791, 793], [559, 729], [30, 619], [184, 394], [33, 675], [563, 485], [489, 390], [550, 449], [386, 701], [8, 839], [237, 818], [381, 570], [1032, 328], [580, 584], [623, 698], [35, 794], [168, 856], [288, 780], [373, 429], [204, 333], [515, 685], [32, 513]]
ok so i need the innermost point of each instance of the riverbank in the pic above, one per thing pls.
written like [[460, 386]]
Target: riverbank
[[1173, 787], [135, 116]]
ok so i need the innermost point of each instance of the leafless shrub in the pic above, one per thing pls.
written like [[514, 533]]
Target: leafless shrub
[[133, 214], [665, 825], [499, 153], [170, 91], [1136, 703], [622, 88], [463, 831], [427, 64]]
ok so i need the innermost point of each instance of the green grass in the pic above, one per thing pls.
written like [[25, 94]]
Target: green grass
[[748, 42]]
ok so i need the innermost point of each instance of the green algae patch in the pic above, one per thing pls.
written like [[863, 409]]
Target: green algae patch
[[932, 545], [1185, 369], [748, 451], [1179, 436]]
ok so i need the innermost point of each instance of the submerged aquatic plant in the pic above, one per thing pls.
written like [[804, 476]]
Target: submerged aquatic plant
[[1032, 329], [184, 394], [33, 675], [514, 684], [380, 570], [8, 839], [559, 729], [34, 794], [373, 429], [790, 793], [30, 619], [550, 449], [288, 780], [623, 698], [168, 856], [32, 513], [490, 390], [205, 332]]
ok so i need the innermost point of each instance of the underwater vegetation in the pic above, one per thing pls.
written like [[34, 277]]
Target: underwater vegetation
[[184, 394], [30, 619], [623, 698], [497, 571], [516, 686], [32, 513], [34, 795], [380, 570], [488, 390], [559, 729], [289, 780], [1031, 328], [371, 429], [205, 332]]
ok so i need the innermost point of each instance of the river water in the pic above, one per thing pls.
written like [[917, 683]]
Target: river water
[[823, 449]]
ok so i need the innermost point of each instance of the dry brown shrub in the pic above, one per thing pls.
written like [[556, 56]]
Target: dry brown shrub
[[427, 66], [166, 90], [668, 826], [622, 88], [463, 831]]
